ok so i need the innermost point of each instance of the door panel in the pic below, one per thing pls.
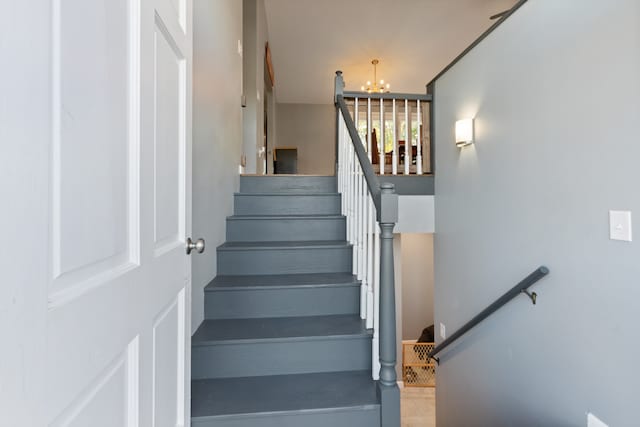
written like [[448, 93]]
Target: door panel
[[168, 368], [103, 403], [169, 139], [95, 140]]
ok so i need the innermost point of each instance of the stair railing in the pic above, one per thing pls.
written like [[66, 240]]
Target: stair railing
[[395, 129], [366, 202]]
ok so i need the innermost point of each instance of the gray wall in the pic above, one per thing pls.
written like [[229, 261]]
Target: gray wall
[[311, 129], [417, 283], [554, 92], [217, 132]]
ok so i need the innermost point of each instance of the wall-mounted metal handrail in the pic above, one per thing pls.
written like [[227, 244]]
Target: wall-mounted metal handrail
[[518, 289]]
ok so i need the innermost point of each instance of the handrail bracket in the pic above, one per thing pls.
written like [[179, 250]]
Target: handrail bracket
[[532, 295]]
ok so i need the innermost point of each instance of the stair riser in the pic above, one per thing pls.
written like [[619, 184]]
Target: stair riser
[[336, 418], [284, 261], [282, 302], [321, 204], [280, 357], [270, 230], [283, 184]]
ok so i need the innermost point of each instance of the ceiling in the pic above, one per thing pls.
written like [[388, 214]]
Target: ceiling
[[413, 39]]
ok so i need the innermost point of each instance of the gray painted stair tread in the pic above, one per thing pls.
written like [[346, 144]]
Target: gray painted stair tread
[[282, 280], [292, 216], [284, 328], [285, 183], [284, 245], [280, 393], [286, 175], [290, 193]]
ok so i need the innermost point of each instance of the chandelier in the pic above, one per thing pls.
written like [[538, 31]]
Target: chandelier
[[380, 87]]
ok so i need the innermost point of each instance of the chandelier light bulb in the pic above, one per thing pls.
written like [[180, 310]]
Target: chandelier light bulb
[[380, 87]]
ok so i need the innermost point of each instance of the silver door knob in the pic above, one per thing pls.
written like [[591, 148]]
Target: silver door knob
[[198, 245]]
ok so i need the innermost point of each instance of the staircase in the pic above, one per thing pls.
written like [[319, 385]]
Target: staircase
[[283, 344]]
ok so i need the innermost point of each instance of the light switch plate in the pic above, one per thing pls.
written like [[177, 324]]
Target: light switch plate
[[443, 331], [620, 225], [593, 421]]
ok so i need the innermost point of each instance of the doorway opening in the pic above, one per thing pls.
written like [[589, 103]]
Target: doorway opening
[[268, 116]]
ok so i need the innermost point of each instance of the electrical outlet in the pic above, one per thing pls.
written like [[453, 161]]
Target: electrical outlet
[[240, 47], [593, 421], [443, 331]]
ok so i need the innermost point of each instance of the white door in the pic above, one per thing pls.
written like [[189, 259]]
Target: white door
[[95, 183]]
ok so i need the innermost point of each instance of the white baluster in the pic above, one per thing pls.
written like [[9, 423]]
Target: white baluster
[[371, 223], [369, 124], [365, 246], [351, 177], [356, 115], [341, 161], [362, 199], [394, 156], [376, 303], [348, 189], [345, 182], [381, 139], [354, 242], [419, 142], [363, 229], [407, 141], [363, 284]]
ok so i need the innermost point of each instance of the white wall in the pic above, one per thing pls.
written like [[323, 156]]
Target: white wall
[[311, 129], [417, 283], [413, 273], [217, 132], [255, 36], [554, 92], [415, 214]]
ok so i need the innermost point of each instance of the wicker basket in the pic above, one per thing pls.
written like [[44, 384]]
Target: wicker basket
[[417, 369]]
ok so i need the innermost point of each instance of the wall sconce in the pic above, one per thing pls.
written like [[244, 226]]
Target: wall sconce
[[464, 132]]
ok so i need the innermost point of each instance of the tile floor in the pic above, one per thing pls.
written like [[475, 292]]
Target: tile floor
[[418, 406]]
